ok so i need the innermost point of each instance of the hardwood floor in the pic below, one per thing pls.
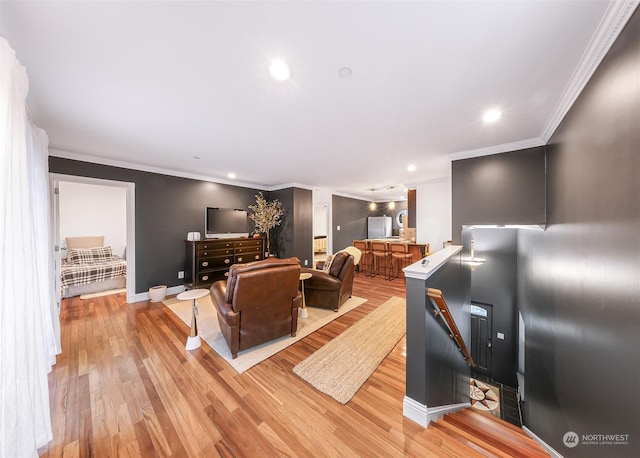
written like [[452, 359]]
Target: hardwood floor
[[124, 385]]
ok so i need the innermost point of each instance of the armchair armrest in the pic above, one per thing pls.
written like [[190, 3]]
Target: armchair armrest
[[321, 280], [218, 293]]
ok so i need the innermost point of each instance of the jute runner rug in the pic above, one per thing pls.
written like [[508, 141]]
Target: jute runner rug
[[209, 329], [342, 366]]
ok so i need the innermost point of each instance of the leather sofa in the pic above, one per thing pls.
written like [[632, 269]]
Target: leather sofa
[[330, 289], [258, 302]]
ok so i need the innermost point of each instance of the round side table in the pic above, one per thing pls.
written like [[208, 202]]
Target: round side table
[[303, 311], [193, 341]]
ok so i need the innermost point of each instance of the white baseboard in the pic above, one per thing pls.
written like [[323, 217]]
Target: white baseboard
[[550, 450], [421, 414]]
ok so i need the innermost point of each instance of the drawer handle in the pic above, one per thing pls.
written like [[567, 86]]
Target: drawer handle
[[257, 256], [239, 259], [226, 261], [205, 264], [226, 274], [205, 277], [204, 254]]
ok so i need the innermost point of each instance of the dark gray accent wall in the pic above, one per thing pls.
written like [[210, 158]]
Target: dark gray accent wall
[[294, 236], [495, 282], [167, 208], [437, 373], [579, 284], [351, 215], [501, 189]]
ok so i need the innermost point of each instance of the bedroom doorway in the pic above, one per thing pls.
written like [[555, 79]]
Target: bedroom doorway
[[120, 194]]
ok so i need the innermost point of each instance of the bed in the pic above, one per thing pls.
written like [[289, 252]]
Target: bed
[[91, 267]]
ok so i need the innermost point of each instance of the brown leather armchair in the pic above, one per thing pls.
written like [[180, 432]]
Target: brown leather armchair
[[330, 289], [258, 302]]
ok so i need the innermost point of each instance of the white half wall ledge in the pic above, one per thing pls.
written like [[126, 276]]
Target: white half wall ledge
[[432, 263], [423, 415]]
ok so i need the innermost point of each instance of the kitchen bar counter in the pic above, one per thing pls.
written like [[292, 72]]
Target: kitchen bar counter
[[419, 250]]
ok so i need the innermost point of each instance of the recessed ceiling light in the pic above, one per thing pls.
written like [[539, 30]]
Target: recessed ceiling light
[[411, 168], [279, 70], [491, 115], [344, 72], [231, 175]]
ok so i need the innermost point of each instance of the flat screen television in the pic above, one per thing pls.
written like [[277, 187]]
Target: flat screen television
[[225, 223]]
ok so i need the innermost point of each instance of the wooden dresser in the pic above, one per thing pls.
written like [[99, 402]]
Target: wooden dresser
[[209, 260]]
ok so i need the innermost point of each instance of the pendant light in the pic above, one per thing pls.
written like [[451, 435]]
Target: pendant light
[[372, 204], [392, 204]]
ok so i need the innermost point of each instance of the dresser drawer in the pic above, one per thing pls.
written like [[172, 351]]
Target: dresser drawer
[[256, 243], [214, 245], [246, 257], [214, 262], [215, 252], [249, 249], [210, 277]]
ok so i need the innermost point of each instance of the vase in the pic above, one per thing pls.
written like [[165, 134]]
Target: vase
[[157, 293]]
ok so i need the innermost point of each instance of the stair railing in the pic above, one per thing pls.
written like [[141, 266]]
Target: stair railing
[[441, 309]]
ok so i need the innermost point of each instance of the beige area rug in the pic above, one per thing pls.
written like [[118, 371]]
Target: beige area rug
[[485, 396], [342, 366], [103, 293], [209, 329]]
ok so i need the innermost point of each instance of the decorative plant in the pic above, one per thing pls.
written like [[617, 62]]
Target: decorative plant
[[266, 215]]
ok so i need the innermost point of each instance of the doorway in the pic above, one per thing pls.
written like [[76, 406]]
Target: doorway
[[128, 243], [320, 231], [481, 333]]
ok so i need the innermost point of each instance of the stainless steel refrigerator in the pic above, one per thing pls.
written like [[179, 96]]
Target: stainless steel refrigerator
[[379, 227]]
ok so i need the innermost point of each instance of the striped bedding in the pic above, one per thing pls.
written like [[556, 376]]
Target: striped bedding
[[82, 274]]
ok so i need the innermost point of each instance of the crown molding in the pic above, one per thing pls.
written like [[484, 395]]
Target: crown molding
[[145, 168], [496, 149], [616, 17], [289, 185]]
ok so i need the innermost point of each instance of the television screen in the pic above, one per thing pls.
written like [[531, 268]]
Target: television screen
[[221, 222]]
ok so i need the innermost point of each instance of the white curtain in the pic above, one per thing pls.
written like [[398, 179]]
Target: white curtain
[[29, 324]]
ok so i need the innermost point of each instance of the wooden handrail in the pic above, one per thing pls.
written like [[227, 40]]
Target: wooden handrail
[[442, 310]]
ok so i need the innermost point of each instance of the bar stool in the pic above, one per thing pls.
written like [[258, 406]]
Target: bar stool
[[382, 255], [399, 255], [365, 261]]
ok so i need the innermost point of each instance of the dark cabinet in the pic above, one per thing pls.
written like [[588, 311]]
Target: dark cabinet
[[209, 260]]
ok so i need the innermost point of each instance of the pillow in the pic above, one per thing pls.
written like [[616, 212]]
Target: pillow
[[84, 242], [327, 264], [90, 255]]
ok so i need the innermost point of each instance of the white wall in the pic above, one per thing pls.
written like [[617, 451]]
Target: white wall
[[433, 213], [320, 220], [87, 209], [322, 198]]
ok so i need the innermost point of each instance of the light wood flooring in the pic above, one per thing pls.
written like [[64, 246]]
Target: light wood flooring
[[124, 385]]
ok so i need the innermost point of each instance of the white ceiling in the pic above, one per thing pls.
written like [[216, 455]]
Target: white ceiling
[[154, 84]]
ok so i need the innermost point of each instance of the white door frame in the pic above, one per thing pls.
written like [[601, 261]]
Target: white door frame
[[55, 178]]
